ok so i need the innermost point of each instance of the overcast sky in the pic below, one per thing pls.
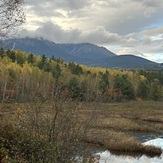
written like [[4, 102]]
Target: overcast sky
[[122, 26]]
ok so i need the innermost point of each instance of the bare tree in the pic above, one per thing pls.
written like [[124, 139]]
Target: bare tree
[[11, 16]]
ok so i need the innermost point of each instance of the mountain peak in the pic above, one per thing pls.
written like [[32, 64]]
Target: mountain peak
[[83, 53], [87, 50]]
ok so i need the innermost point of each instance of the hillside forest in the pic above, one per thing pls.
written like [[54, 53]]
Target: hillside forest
[[27, 77]]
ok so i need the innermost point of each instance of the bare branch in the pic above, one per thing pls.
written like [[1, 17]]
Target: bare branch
[[11, 16]]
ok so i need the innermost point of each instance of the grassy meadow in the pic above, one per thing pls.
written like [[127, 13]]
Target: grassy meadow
[[53, 132]]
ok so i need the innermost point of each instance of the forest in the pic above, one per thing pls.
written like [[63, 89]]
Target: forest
[[26, 77], [52, 111]]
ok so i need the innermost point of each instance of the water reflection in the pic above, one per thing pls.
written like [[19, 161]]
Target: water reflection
[[107, 157], [144, 138]]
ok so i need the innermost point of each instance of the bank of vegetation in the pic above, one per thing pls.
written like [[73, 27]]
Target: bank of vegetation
[[24, 77], [49, 109]]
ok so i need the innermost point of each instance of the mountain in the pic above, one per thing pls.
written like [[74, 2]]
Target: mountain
[[87, 50], [130, 61], [84, 53], [38, 46], [88, 54]]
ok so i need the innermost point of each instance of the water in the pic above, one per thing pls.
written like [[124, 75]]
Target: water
[[144, 138], [107, 157]]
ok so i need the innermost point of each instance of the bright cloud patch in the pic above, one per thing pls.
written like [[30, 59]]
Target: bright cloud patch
[[134, 25]]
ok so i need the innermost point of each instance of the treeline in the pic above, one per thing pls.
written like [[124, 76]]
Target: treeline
[[27, 77]]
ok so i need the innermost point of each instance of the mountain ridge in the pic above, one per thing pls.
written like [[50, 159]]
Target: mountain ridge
[[122, 61], [82, 53]]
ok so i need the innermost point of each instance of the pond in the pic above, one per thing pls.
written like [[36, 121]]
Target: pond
[[107, 157]]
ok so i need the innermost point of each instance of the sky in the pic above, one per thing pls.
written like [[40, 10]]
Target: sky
[[122, 26]]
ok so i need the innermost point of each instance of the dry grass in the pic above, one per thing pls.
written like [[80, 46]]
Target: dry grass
[[116, 123], [129, 117]]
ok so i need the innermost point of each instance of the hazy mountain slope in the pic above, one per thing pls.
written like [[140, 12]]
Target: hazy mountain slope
[[85, 53], [38, 47], [130, 61], [88, 54], [86, 50]]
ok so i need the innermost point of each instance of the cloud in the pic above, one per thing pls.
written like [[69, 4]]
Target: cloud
[[136, 25], [56, 33], [121, 17], [49, 5], [53, 32], [74, 4], [100, 36], [154, 31], [127, 44], [151, 3], [130, 51]]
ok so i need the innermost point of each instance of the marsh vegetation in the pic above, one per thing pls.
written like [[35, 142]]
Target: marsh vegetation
[[48, 132]]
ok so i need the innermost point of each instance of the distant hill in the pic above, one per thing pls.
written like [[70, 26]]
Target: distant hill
[[88, 54], [130, 61], [84, 53], [38, 46]]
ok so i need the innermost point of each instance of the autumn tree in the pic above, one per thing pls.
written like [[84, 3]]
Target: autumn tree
[[11, 16], [4, 77]]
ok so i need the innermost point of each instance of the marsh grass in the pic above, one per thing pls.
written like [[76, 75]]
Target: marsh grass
[[60, 128], [117, 123]]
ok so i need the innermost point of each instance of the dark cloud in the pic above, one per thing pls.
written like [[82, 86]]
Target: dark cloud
[[53, 32], [133, 17], [120, 17], [73, 4], [56, 33], [100, 36], [151, 3], [134, 24], [58, 4]]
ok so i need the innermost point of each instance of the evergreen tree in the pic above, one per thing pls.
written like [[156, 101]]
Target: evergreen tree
[[11, 55], [122, 83], [155, 90], [75, 68], [75, 89], [30, 58], [104, 81], [56, 71], [1, 52], [42, 62], [143, 89]]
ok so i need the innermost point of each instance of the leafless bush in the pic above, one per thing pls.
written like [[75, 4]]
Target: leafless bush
[[61, 124], [11, 16]]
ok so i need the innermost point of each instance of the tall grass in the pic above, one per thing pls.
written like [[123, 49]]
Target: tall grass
[[55, 132]]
